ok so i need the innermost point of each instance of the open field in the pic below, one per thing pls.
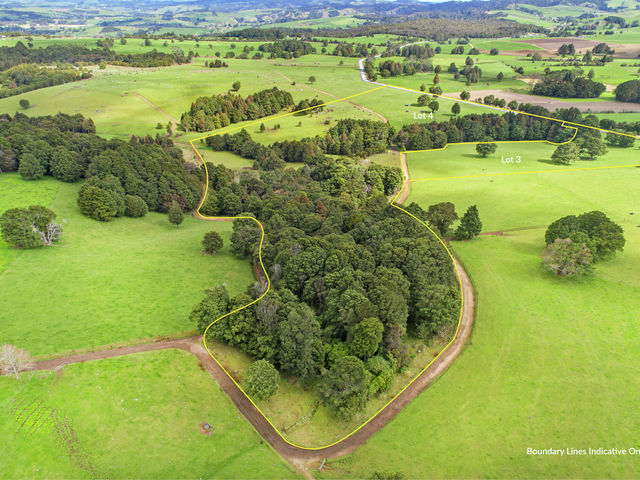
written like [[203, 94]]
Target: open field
[[551, 361], [120, 281], [494, 194], [136, 416]]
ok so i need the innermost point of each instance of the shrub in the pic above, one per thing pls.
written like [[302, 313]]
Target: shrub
[[135, 206], [261, 380], [212, 242]]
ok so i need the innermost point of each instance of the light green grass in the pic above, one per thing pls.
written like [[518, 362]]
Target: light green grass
[[119, 281], [136, 416], [551, 362], [296, 411], [16, 192], [491, 192]]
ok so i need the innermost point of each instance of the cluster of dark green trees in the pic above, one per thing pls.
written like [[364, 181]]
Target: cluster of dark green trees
[[25, 77], [289, 48], [568, 84], [628, 91], [344, 49], [389, 68], [73, 53], [479, 127], [354, 138], [575, 243], [229, 199], [125, 178], [210, 113], [350, 275]]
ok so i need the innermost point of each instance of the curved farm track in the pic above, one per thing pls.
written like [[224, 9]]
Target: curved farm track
[[302, 459], [299, 457]]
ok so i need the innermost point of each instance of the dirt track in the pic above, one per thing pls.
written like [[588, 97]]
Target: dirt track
[[301, 458], [404, 193], [553, 103]]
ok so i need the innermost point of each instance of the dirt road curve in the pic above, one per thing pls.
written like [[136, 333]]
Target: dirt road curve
[[406, 186], [300, 458]]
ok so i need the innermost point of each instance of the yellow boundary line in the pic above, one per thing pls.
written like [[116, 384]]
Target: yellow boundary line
[[518, 112], [392, 203]]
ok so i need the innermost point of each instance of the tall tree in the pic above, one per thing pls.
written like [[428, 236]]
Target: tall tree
[[176, 215], [470, 224]]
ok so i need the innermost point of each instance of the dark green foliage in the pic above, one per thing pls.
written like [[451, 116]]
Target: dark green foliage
[[592, 147], [261, 380], [566, 154], [344, 49], [599, 233], [212, 242], [31, 168], [67, 148], [135, 206], [382, 374], [366, 337], [568, 84], [176, 215], [102, 198], [65, 165], [289, 48], [344, 388], [210, 113], [301, 350], [245, 237], [628, 91], [470, 224], [567, 258], [24, 78], [75, 54], [213, 306], [24, 227], [623, 141], [389, 68], [486, 149], [441, 216]]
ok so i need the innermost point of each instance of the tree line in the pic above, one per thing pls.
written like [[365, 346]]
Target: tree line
[[289, 48], [66, 147], [26, 77], [77, 54]]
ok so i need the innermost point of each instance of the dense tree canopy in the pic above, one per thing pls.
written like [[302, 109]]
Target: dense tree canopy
[[568, 84], [210, 113], [628, 91], [598, 232], [66, 147]]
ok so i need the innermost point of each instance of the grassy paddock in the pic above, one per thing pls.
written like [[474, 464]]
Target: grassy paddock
[[136, 416], [110, 282], [551, 362]]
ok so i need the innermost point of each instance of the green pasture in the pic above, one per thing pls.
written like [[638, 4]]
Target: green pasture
[[122, 281], [551, 362], [136, 416], [496, 185], [16, 192]]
